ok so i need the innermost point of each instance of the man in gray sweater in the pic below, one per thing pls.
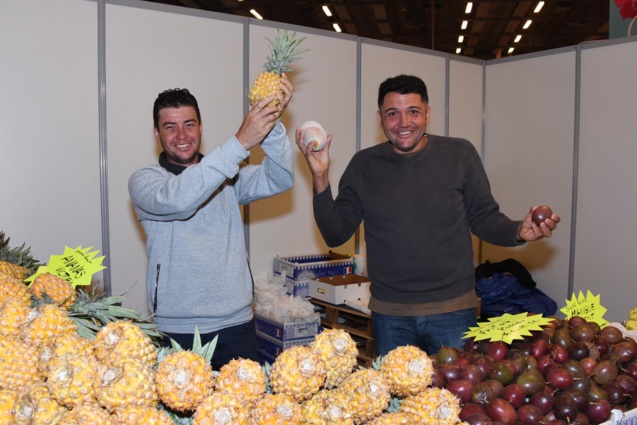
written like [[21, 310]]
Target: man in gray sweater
[[189, 206], [420, 197]]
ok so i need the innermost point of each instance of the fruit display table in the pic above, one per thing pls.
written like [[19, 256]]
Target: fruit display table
[[357, 323]]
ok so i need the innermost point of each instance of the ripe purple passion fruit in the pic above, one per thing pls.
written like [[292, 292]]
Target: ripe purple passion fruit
[[541, 213]]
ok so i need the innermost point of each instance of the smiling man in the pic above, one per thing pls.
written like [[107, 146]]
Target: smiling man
[[420, 197], [189, 206]]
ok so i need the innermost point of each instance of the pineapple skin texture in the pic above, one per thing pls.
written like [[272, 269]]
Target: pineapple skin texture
[[138, 415], [61, 291], [242, 377], [298, 372], [45, 322], [70, 379], [366, 394], [221, 409], [408, 370], [125, 382], [14, 270], [124, 339], [12, 314], [326, 408], [86, 414], [432, 406], [12, 287], [18, 364], [7, 403], [184, 379], [338, 350], [394, 418], [266, 84], [276, 409], [36, 406]]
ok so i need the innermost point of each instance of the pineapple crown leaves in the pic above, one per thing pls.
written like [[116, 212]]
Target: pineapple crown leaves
[[174, 416], [19, 255], [92, 312], [206, 351], [377, 362], [283, 52]]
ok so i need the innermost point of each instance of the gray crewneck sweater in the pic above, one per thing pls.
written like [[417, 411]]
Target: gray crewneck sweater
[[418, 213], [198, 273]]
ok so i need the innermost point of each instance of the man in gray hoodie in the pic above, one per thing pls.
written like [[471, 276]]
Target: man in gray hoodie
[[189, 206]]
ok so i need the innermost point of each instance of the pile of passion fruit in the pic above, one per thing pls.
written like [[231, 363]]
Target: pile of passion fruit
[[572, 372]]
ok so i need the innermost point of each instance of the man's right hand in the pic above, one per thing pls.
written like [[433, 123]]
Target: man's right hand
[[319, 161], [259, 121]]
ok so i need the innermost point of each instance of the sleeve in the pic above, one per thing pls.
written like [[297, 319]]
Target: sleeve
[[274, 175], [486, 220], [338, 219], [161, 196]]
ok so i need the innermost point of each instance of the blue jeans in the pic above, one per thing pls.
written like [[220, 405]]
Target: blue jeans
[[430, 333]]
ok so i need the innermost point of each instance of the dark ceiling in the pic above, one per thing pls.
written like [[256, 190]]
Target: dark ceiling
[[492, 25]]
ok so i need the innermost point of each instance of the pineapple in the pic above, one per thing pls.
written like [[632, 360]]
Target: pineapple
[[7, 403], [393, 418], [86, 414], [282, 52], [45, 322], [12, 287], [125, 382], [61, 292], [16, 262], [70, 379], [298, 372], [242, 377], [326, 408], [338, 350], [434, 405], [67, 343], [12, 314], [36, 406], [276, 409], [184, 379], [366, 394], [138, 415], [221, 408], [408, 370], [124, 339], [18, 364]]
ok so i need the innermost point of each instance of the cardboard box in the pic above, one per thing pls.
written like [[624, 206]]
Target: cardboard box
[[338, 289], [269, 348], [288, 331], [299, 269]]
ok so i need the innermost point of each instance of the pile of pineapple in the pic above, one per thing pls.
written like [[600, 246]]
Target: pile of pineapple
[[70, 359]]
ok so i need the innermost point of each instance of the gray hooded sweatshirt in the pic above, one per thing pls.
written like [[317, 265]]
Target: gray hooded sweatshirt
[[198, 272]]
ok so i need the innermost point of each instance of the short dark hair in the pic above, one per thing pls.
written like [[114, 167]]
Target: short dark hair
[[403, 84], [174, 98]]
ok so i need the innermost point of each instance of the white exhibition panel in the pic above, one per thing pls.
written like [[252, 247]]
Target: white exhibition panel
[[607, 190], [324, 91], [50, 178], [529, 142], [147, 52], [466, 96], [380, 62]]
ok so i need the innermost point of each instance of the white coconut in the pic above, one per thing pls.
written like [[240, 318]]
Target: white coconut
[[314, 133]]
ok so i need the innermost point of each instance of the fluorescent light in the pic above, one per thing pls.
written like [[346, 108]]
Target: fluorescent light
[[256, 14], [337, 28], [511, 50], [517, 38], [464, 25], [327, 11], [469, 7], [460, 39], [458, 50], [527, 24], [538, 7]]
